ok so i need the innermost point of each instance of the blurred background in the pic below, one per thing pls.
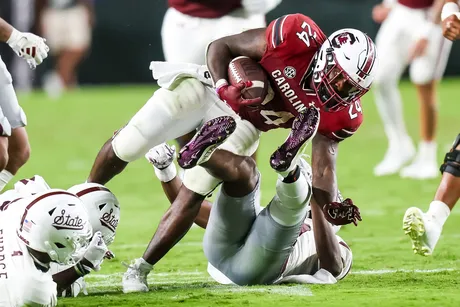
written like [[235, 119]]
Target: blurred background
[[127, 34]]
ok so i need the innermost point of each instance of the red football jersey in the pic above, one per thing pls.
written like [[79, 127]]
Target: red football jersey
[[205, 8], [417, 4], [292, 43]]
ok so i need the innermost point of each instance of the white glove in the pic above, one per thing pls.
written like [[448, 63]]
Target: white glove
[[96, 251], [259, 6], [161, 157], [29, 46]]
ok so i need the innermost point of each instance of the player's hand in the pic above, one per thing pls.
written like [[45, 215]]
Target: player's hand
[[380, 13], [161, 156], [96, 251], [419, 48], [231, 94], [29, 46], [451, 27], [342, 213]]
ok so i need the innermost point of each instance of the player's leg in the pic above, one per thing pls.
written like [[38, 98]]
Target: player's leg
[[393, 44], [179, 30], [424, 229], [425, 71], [15, 149], [185, 207], [270, 240], [165, 116]]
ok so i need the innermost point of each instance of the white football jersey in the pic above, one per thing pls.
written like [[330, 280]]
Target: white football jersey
[[21, 282], [303, 261]]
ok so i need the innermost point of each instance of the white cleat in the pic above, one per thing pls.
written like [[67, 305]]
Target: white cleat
[[420, 170], [394, 160], [422, 229], [135, 278]]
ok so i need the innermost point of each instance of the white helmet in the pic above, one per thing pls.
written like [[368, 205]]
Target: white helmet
[[55, 222], [102, 206], [348, 55]]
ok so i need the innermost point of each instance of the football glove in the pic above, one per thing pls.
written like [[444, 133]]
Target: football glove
[[342, 213], [96, 251], [231, 94], [28, 46]]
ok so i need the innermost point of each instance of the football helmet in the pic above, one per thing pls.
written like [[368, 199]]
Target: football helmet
[[55, 222], [102, 206], [345, 68]]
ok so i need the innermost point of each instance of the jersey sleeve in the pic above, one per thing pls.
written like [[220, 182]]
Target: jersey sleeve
[[291, 30], [341, 125]]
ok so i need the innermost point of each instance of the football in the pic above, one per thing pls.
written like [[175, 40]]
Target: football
[[242, 69]]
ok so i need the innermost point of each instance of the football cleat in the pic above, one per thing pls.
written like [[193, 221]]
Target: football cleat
[[200, 148], [395, 158], [422, 229], [304, 128], [135, 277]]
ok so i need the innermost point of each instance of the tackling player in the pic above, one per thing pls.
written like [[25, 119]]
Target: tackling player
[[410, 34], [304, 67], [35, 231], [248, 245], [14, 142], [103, 212], [424, 229]]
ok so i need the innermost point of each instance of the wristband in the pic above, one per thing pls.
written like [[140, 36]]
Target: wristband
[[82, 269], [449, 9], [220, 83], [167, 174]]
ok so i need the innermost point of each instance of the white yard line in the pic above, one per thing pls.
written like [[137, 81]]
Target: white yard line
[[381, 272]]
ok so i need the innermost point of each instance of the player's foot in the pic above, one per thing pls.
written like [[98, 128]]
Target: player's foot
[[304, 128], [395, 158], [423, 230], [206, 140], [135, 277], [424, 165]]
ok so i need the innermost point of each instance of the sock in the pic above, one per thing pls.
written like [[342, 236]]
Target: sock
[[292, 176], [427, 151], [5, 177], [439, 210], [143, 265], [291, 203]]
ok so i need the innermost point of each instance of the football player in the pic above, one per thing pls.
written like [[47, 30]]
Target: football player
[[304, 67], [51, 226], [103, 212], [195, 23], [424, 229], [410, 34], [14, 142], [450, 20], [246, 245]]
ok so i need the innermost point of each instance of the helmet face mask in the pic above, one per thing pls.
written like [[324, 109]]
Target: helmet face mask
[[344, 69]]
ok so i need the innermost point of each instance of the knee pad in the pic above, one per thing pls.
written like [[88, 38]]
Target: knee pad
[[129, 144], [188, 95], [198, 180], [452, 160], [244, 140]]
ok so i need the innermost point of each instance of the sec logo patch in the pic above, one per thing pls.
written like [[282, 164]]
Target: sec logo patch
[[289, 72]]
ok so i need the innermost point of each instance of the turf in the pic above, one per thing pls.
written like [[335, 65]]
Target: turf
[[66, 135]]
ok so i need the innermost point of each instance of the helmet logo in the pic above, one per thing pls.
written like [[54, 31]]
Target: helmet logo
[[109, 220], [64, 221], [342, 39], [289, 72]]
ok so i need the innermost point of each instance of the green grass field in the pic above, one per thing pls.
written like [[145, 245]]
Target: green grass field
[[66, 135]]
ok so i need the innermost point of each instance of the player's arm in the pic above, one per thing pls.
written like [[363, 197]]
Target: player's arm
[[5, 30], [251, 43], [161, 157], [324, 157], [450, 19]]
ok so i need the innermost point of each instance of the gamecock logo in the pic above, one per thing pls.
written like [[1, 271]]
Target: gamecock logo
[[343, 39]]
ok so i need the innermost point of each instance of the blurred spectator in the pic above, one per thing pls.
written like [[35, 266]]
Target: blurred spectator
[[410, 34], [67, 26]]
